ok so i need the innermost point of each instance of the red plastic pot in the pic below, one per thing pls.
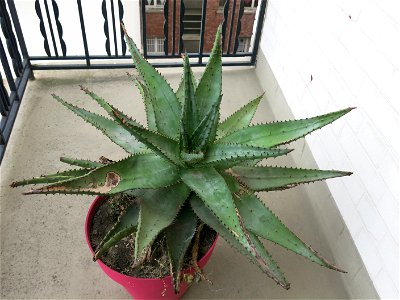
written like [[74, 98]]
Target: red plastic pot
[[142, 288]]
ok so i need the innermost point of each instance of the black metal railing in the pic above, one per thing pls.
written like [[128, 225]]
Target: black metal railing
[[174, 15], [173, 29], [16, 54]]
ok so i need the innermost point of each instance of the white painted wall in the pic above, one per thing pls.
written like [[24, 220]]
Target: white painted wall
[[329, 55]]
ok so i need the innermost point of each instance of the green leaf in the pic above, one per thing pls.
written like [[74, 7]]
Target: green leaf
[[191, 158], [179, 236], [160, 144], [52, 178], [258, 255], [158, 209], [135, 172], [274, 134], [150, 115], [210, 186], [109, 128], [208, 98], [240, 119], [208, 91], [230, 154], [166, 107], [126, 225], [190, 118], [180, 93], [258, 219], [203, 134], [279, 178], [270, 266], [231, 182], [104, 104], [87, 164]]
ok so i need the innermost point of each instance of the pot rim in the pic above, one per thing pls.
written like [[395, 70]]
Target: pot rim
[[95, 204]]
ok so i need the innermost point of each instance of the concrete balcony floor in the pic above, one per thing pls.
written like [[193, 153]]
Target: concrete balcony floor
[[43, 250]]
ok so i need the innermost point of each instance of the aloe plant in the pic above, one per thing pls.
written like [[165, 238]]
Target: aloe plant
[[189, 169]]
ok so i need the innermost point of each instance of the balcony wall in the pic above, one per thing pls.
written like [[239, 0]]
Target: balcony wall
[[322, 57]]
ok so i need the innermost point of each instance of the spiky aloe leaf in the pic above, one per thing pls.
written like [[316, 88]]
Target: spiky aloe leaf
[[160, 144], [126, 225], [231, 182], [240, 119], [279, 178], [180, 93], [109, 128], [191, 158], [179, 236], [158, 209], [271, 268], [166, 107], [150, 115], [52, 178], [83, 163], [258, 219], [208, 98], [135, 172], [203, 134], [259, 256], [104, 104], [210, 186], [190, 118], [226, 154], [274, 134], [208, 91]]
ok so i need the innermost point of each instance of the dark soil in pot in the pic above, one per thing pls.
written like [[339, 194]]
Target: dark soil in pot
[[121, 256]]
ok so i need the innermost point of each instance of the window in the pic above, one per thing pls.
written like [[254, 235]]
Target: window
[[247, 3], [154, 3], [244, 44], [250, 3], [155, 45]]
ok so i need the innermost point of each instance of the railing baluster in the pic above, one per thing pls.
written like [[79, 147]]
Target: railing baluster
[[4, 99], [10, 39], [105, 27], [6, 67], [226, 11], [114, 29], [121, 16], [144, 33], [166, 27], [2, 142], [173, 28], [85, 45], [42, 28], [231, 26], [202, 30], [46, 6], [238, 26], [260, 22], [17, 26], [182, 26], [59, 27]]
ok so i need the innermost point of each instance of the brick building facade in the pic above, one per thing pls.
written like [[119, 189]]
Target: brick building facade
[[192, 25]]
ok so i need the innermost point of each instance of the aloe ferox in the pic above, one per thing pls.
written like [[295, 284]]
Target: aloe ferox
[[188, 169]]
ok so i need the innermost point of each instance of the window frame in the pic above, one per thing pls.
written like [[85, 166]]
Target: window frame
[[246, 45], [155, 4], [158, 45]]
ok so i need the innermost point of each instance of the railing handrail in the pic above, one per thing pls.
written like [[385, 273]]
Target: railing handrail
[[173, 35]]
